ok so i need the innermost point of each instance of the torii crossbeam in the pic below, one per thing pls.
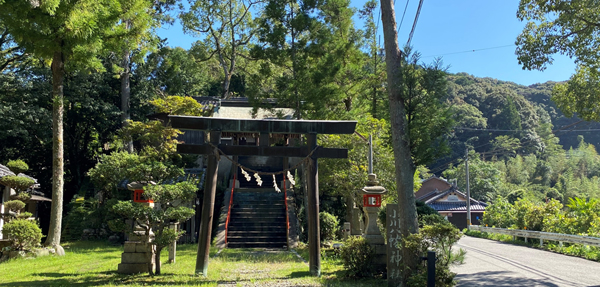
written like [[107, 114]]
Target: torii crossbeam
[[216, 126]]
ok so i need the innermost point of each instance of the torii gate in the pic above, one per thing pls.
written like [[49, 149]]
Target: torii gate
[[216, 126]]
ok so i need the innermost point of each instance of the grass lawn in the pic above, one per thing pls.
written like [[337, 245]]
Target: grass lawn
[[95, 263]]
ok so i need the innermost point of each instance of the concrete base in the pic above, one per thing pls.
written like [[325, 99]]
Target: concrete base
[[132, 268], [134, 259]]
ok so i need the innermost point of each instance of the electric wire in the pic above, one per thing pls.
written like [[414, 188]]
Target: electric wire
[[402, 20], [444, 165], [470, 51], [412, 31]]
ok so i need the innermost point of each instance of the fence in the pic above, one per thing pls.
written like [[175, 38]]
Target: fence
[[577, 239]]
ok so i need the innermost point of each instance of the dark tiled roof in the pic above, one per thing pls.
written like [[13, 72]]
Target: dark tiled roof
[[432, 197], [4, 171], [429, 195], [455, 206]]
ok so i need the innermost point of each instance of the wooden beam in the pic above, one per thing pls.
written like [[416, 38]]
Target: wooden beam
[[314, 238], [258, 126], [208, 207], [277, 151]]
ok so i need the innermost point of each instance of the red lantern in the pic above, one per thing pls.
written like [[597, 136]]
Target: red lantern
[[372, 200], [138, 196]]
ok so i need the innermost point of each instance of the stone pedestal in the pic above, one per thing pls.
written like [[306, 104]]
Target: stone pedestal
[[134, 259], [356, 223], [173, 246]]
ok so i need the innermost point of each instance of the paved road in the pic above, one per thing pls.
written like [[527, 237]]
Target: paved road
[[493, 263]]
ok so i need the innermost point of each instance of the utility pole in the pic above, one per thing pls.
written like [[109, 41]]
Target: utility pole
[[468, 190]]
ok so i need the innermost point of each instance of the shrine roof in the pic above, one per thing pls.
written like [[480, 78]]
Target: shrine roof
[[258, 126]]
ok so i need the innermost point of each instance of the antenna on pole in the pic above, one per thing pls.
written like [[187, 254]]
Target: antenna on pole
[[468, 189], [370, 154]]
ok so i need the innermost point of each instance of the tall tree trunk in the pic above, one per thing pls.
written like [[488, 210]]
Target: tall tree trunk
[[126, 93], [126, 96], [58, 71], [405, 168]]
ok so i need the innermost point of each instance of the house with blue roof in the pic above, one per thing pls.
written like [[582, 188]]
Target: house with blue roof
[[449, 202]]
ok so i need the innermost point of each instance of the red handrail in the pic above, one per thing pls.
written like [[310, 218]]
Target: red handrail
[[230, 204], [287, 215]]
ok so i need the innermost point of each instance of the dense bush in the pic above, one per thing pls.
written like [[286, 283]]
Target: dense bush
[[87, 214], [17, 166], [329, 225], [358, 257], [436, 234], [24, 234], [579, 217], [19, 183]]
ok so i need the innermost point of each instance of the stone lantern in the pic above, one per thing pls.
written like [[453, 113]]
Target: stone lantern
[[371, 204], [136, 250]]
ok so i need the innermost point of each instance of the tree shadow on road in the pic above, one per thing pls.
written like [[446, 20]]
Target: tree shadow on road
[[502, 278]]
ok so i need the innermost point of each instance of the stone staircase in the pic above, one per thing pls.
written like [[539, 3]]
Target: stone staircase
[[258, 219]]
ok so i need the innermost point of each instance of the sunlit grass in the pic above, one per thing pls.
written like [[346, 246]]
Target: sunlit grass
[[95, 264]]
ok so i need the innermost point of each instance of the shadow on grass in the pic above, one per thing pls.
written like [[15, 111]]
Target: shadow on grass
[[113, 278], [258, 255]]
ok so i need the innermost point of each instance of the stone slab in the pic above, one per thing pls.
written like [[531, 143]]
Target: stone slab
[[132, 268], [133, 258], [141, 248], [129, 246]]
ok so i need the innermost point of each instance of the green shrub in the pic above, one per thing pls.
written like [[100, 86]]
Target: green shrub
[[358, 257], [19, 183], [329, 226], [24, 234], [14, 205], [439, 236], [17, 166]]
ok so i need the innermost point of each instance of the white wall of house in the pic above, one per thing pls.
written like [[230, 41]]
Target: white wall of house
[[3, 198]]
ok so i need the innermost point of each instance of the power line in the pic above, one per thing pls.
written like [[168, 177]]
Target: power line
[[412, 31], [403, 13], [497, 130], [470, 51], [497, 150]]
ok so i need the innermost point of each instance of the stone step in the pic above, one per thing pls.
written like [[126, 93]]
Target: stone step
[[282, 245], [257, 238], [257, 220], [233, 228], [280, 232]]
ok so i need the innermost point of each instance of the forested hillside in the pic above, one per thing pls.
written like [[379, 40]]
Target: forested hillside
[[521, 144]]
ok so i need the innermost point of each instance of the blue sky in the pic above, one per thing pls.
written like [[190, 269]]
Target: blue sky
[[452, 29]]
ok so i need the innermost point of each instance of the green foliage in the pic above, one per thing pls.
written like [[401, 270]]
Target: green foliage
[[24, 234], [429, 118], [14, 205], [357, 257], [112, 169], [569, 28], [158, 140], [17, 166], [342, 177], [86, 214], [177, 105], [329, 225], [436, 234], [174, 201], [18, 183], [581, 216]]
